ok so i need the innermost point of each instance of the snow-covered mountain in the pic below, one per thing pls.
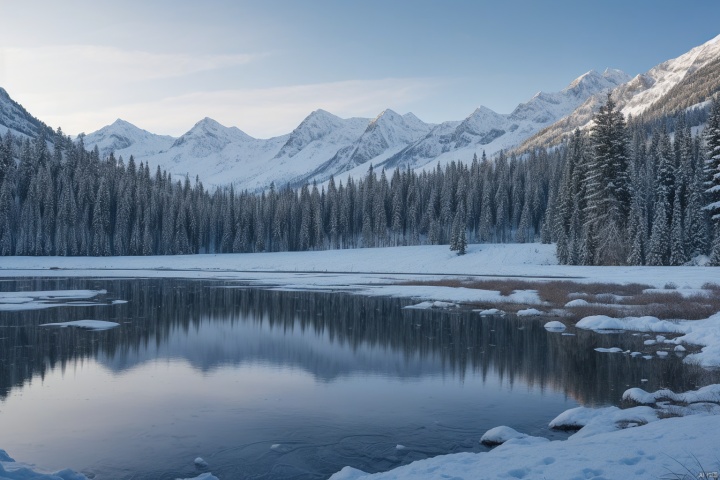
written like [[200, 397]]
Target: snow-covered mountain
[[15, 118], [388, 133], [324, 144], [668, 87], [124, 139], [486, 130]]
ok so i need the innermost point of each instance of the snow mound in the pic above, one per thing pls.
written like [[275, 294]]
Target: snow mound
[[491, 311], [577, 303], [200, 462], [591, 421], [710, 393], [609, 350], [529, 312], [500, 435], [640, 324], [554, 326]]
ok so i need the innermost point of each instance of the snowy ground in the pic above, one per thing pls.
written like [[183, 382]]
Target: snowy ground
[[346, 268], [670, 448]]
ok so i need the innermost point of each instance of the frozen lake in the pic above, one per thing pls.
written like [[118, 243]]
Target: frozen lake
[[267, 384]]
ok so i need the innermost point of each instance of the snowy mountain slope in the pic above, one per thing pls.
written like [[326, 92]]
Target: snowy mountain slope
[[15, 118], [487, 130], [386, 132], [321, 126], [324, 144], [692, 76], [662, 78], [222, 155], [124, 139], [215, 153]]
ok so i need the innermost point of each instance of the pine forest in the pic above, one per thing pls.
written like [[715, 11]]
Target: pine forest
[[624, 192]]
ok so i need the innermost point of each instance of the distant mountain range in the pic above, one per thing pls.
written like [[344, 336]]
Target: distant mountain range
[[324, 144]]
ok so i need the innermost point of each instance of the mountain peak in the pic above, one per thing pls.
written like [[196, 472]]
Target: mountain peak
[[209, 123]]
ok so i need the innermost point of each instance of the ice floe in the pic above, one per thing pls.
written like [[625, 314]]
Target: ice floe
[[87, 324]]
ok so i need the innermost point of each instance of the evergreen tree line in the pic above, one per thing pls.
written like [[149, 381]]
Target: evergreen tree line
[[617, 195], [627, 197], [64, 200]]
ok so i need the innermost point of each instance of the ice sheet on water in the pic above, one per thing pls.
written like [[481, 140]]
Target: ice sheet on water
[[87, 324]]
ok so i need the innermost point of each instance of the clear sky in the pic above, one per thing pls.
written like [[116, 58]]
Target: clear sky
[[264, 65]]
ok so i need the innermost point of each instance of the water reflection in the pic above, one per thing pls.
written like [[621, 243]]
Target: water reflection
[[327, 335]]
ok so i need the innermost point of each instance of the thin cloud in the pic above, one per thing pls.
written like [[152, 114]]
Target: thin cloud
[[97, 63]]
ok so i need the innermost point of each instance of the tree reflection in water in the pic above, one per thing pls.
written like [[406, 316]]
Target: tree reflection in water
[[453, 344]]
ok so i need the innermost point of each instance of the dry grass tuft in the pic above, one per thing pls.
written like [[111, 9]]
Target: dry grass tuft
[[603, 298]]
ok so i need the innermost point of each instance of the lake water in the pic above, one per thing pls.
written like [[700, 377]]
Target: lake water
[[267, 384]]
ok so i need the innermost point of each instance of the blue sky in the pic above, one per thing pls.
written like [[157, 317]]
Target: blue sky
[[263, 66]]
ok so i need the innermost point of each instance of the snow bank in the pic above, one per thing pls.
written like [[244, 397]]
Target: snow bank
[[499, 435], [710, 393], [529, 312], [610, 443], [510, 260], [704, 333], [640, 324], [202, 476], [655, 450], [12, 470], [490, 311]]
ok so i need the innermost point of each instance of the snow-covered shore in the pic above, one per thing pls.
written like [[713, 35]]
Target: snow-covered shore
[[679, 448], [337, 268], [670, 446]]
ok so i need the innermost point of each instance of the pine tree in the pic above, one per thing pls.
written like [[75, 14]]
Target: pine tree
[[712, 161], [659, 248], [677, 238], [608, 186], [712, 171]]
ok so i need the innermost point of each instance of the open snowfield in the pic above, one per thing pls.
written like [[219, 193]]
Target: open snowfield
[[663, 448], [358, 267]]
